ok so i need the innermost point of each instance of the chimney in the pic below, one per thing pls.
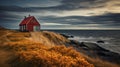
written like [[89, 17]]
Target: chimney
[[25, 17], [29, 15]]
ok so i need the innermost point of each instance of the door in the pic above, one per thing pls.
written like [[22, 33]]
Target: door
[[36, 28]]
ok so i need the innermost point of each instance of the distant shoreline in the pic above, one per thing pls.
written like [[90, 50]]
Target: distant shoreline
[[78, 29]]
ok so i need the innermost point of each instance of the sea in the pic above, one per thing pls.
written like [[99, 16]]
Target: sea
[[111, 38]]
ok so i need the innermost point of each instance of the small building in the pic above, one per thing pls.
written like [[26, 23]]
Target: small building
[[29, 24]]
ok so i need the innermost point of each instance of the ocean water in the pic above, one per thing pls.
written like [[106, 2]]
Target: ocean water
[[111, 38]]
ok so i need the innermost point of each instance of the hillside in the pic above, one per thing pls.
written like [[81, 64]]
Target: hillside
[[27, 51], [42, 49], [48, 38]]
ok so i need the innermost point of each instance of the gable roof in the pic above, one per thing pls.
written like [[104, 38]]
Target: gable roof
[[26, 20]]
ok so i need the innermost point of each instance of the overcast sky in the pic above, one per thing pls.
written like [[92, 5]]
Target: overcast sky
[[62, 14]]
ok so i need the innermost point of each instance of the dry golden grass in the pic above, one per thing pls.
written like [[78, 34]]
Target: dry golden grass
[[35, 54], [18, 36], [48, 38], [50, 57], [32, 50], [32, 54]]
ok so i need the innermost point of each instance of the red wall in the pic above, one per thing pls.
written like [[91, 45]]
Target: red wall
[[32, 23]]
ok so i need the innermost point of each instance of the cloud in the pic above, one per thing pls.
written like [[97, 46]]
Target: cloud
[[63, 13], [31, 3], [13, 8], [108, 18], [105, 21], [53, 24], [64, 7], [76, 4]]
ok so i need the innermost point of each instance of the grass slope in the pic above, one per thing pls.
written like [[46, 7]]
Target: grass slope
[[31, 53], [43, 49]]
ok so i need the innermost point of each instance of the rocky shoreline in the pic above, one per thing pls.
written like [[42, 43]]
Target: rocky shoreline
[[94, 50]]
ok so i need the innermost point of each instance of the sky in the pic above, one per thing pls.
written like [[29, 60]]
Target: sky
[[62, 14]]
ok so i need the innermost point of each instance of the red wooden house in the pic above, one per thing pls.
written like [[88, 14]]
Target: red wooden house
[[29, 24]]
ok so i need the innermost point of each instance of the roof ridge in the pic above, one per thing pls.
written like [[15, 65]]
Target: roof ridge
[[30, 19], [27, 20]]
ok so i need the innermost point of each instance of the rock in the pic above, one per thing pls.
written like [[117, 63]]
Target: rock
[[100, 41], [74, 42], [67, 36]]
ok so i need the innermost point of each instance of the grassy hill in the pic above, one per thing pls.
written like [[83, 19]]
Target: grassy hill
[[41, 49]]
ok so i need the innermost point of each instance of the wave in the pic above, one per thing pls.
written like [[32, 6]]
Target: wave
[[108, 42], [91, 39]]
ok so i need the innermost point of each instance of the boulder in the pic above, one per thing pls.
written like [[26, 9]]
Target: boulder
[[100, 41]]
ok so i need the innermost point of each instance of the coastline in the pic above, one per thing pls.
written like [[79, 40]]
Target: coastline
[[37, 46], [94, 50]]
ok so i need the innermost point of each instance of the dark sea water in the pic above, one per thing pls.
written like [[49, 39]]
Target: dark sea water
[[110, 37]]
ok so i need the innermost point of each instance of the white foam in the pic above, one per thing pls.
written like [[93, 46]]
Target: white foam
[[108, 44]]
